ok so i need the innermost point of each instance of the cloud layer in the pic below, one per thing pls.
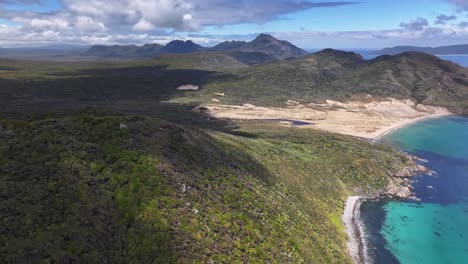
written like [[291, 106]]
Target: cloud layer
[[415, 25], [142, 21], [443, 19], [462, 4], [110, 20]]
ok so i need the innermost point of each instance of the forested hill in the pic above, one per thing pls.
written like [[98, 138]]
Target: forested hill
[[443, 50], [94, 188]]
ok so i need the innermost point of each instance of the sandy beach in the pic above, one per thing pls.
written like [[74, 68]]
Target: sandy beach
[[368, 120], [384, 131], [353, 229]]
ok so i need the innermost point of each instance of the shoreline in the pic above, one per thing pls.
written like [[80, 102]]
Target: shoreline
[[356, 246], [351, 214], [387, 130]]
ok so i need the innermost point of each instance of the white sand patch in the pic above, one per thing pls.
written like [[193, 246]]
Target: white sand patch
[[353, 229], [361, 119], [188, 87]]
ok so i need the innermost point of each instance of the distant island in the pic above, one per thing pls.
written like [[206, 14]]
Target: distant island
[[443, 50]]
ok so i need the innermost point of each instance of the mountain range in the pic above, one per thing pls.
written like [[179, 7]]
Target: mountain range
[[263, 43], [443, 50]]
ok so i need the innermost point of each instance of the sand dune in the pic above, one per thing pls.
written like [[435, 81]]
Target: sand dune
[[361, 119]]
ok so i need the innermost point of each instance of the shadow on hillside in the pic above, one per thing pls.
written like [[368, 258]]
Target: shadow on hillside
[[193, 157], [139, 82], [137, 90]]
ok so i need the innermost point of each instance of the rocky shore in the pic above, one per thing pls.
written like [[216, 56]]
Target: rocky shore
[[400, 188]]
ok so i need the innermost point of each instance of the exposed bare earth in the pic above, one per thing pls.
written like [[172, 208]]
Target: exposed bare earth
[[362, 119]]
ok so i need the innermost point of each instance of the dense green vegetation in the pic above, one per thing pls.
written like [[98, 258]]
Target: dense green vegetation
[[34, 86], [328, 74], [160, 183], [119, 189], [338, 75]]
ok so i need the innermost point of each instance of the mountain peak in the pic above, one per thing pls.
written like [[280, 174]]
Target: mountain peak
[[264, 36], [271, 46], [180, 46], [263, 43], [178, 41]]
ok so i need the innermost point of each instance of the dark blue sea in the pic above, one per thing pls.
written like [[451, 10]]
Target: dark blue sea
[[433, 230]]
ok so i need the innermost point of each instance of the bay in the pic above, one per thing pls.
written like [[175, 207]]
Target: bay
[[434, 229]]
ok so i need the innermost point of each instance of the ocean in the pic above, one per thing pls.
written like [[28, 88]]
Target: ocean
[[433, 230]]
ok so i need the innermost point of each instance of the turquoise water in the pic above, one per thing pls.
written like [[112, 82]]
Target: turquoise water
[[435, 229]]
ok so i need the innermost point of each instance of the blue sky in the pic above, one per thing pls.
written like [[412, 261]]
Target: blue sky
[[309, 24], [37, 6], [367, 15]]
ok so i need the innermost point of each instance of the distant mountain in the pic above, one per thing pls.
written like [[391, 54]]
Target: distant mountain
[[145, 51], [443, 50], [228, 45], [179, 46], [149, 50], [264, 43], [269, 47]]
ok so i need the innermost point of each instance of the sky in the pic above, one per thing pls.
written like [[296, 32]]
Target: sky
[[306, 23]]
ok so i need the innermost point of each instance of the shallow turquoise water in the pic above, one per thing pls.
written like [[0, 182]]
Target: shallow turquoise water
[[434, 230]]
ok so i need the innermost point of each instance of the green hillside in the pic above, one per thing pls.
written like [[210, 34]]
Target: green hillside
[[95, 188], [452, 49], [339, 75], [243, 77], [142, 180]]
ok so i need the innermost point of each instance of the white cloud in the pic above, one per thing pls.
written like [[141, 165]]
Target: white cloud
[[143, 25], [143, 21], [85, 24], [165, 13], [139, 15], [43, 23]]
